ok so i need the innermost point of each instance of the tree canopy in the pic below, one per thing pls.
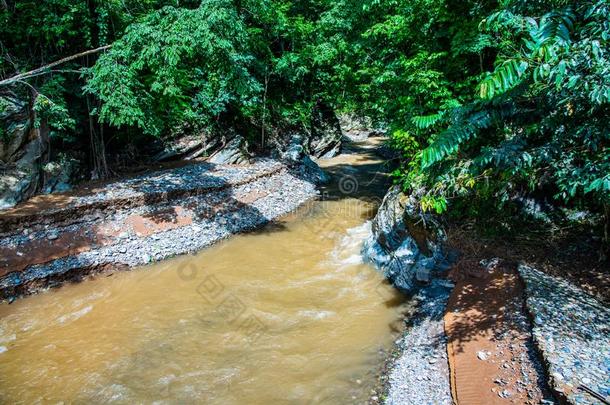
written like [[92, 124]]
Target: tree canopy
[[485, 100]]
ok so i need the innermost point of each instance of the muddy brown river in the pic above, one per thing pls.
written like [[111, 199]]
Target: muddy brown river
[[288, 314]]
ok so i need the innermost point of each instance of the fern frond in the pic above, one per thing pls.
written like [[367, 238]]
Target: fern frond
[[505, 77], [449, 141], [426, 121]]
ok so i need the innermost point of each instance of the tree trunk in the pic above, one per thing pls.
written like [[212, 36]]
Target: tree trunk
[[40, 135], [46, 68], [264, 111], [98, 148]]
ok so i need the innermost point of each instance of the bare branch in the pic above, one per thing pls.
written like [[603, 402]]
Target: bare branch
[[41, 70]]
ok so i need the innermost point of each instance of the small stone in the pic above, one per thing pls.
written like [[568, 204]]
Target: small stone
[[482, 356], [53, 236]]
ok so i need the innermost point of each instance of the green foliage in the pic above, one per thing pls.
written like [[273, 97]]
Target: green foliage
[[486, 100], [541, 121], [176, 66]]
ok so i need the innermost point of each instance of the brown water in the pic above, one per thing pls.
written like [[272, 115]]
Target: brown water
[[288, 314]]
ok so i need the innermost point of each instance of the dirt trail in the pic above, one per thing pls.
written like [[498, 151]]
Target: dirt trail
[[491, 355]]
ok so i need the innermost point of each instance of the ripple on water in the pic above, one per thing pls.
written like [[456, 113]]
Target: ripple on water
[[75, 315], [347, 250]]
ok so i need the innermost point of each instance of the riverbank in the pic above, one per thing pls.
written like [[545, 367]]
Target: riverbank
[[148, 218], [468, 334], [496, 332]]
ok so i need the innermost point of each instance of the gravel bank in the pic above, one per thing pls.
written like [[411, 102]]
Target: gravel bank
[[225, 201], [572, 332], [420, 374], [130, 193]]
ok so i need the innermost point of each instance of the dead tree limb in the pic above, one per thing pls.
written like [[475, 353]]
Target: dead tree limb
[[42, 69]]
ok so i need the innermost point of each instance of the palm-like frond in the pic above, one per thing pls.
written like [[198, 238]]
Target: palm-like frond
[[426, 121], [505, 77], [449, 141]]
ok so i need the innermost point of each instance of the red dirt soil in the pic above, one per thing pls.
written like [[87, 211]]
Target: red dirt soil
[[106, 232], [491, 359]]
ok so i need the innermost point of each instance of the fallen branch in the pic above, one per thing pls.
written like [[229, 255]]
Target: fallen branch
[[41, 70]]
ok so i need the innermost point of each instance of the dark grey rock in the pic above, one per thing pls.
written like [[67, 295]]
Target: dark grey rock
[[234, 152], [326, 135], [23, 150], [406, 244], [572, 331], [60, 175]]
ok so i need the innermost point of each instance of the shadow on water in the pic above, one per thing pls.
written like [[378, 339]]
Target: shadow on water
[[358, 173]]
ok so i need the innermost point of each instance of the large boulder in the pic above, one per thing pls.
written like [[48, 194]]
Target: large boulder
[[296, 157], [189, 147], [406, 244], [358, 128], [60, 175]]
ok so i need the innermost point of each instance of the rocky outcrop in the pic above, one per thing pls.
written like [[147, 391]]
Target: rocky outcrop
[[60, 174], [188, 147], [220, 149], [295, 157], [357, 128], [571, 329], [406, 244], [233, 152], [326, 135], [23, 150]]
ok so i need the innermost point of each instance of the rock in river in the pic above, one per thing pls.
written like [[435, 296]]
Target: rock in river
[[406, 244]]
